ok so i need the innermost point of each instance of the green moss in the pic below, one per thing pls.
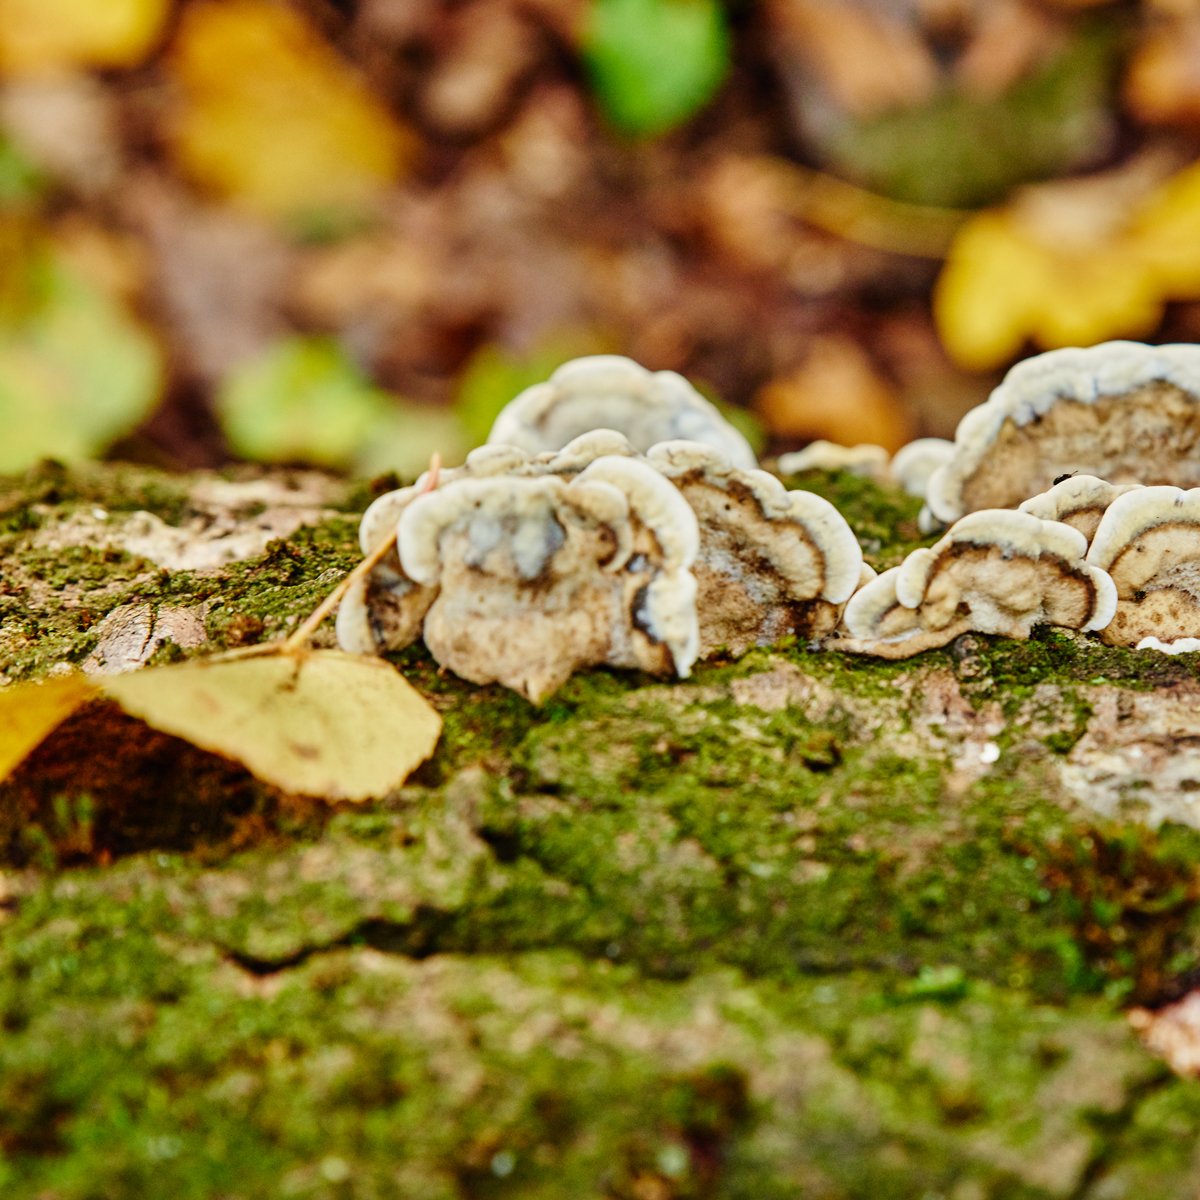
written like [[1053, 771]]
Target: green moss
[[991, 666], [272, 593], [51, 600], [116, 489], [137, 1058], [884, 518], [711, 834], [53, 596]]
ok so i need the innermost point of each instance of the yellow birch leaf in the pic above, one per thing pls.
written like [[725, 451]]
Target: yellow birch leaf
[[30, 711], [273, 118], [1167, 234], [46, 35], [1091, 261], [326, 724], [986, 295]]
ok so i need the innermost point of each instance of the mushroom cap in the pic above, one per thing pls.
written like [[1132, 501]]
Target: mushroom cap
[[502, 459], [579, 453], [384, 611], [995, 571], [1121, 410], [913, 465], [382, 518], [1080, 501], [614, 393], [658, 504], [864, 459], [538, 576], [1149, 542], [879, 624], [800, 534], [510, 515]]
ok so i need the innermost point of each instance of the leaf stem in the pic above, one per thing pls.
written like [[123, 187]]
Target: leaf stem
[[297, 641]]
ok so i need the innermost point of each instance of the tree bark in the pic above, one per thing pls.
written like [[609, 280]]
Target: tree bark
[[801, 925]]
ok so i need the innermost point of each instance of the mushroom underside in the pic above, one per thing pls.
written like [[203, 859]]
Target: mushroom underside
[[978, 588], [1148, 435]]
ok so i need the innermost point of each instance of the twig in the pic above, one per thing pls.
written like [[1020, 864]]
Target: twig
[[298, 640], [853, 213]]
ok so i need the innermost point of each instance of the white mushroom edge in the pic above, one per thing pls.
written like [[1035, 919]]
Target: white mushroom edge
[[934, 595], [1035, 385], [609, 391]]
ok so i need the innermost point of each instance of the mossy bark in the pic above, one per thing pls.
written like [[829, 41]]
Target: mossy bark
[[801, 926]]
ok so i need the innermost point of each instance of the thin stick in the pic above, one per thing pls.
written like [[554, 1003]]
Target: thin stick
[[853, 213], [298, 640]]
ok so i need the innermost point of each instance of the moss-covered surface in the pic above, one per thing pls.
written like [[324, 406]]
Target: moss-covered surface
[[803, 926], [885, 519]]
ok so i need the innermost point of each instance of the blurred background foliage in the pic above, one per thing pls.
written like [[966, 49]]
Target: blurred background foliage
[[345, 232]]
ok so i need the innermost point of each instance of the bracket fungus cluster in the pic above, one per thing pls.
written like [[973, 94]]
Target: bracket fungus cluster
[[522, 567], [1121, 411], [614, 517], [995, 571], [606, 391], [524, 579], [1102, 439]]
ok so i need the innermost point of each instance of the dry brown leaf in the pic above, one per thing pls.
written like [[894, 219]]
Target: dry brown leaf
[[835, 394]]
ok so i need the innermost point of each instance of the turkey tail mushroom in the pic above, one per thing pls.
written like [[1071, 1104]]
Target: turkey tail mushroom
[[613, 393], [1122, 411], [995, 571]]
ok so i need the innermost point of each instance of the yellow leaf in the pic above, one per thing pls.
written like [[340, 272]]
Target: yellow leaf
[[274, 118], [44, 35], [1091, 300], [1167, 234], [324, 724], [30, 711], [1071, 264], [986, 297]]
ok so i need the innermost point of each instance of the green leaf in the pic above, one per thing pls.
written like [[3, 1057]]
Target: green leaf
[[321, 724], [964, 151], [494, 375], [305, 401], [301, 401], [654, 63], [76, 370]]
